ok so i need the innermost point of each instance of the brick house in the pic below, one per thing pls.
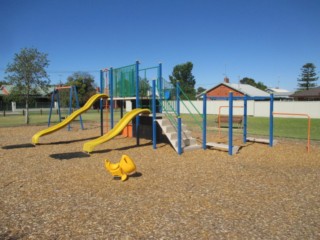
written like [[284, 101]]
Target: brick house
[[42, 99], [238, 89]]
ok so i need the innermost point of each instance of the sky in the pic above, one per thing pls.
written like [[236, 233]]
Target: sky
[[267, 40]]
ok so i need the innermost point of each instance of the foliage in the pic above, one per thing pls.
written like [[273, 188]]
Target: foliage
[[28, 76], [2, 82], [183, 74], [144, 87], [253, 83], [85, 87], [200, 90], [308, 77]]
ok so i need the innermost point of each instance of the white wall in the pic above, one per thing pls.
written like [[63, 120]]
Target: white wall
[[257, 108]]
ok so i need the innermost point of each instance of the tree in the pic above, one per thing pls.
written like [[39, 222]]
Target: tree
[[28, 76], [200, 90], [261, 86], [253, 83], [308, 77], [144, 87], [183, 74], [85, 85], [3, 83]]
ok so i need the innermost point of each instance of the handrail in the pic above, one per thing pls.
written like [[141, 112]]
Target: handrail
[[189, 100], [192, 115], [171, 117]]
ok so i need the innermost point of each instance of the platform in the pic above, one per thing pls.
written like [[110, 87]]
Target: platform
[[223, 146], [261, 140]]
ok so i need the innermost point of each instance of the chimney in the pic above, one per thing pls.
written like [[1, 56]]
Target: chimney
[[226, 80]]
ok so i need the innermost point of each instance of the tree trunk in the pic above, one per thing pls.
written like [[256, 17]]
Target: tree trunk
[[27, 113]]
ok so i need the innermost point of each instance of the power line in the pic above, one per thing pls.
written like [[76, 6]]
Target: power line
[[70, 71], [65, 71]]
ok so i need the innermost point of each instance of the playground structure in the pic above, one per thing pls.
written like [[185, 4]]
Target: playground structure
[[130, 83], [231, 148], [122, 169], [153, 115]]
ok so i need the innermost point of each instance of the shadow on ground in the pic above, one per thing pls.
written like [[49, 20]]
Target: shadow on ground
[[134, 175], [68, 142], [70, 155], [123, 148], [24, 145]]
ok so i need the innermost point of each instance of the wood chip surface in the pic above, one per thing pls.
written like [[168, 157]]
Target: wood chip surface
[[55, 191]]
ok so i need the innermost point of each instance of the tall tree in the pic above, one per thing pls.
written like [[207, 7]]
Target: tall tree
[[253, 83], [28, 75], [308, 77], [183, 74], [85, 85]]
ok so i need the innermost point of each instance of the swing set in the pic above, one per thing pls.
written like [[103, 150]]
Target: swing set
[[72, 93]]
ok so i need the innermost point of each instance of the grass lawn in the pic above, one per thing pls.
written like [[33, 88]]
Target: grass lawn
[[36, 118], [258, 126]]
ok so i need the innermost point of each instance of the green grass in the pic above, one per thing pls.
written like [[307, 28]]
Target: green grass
[[285, 127], [257, 126], [37, 119]]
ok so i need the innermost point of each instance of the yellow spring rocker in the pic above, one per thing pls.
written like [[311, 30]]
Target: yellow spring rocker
[[122, 169]]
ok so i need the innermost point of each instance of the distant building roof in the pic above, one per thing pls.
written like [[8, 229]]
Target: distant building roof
[[276, 90], [279, 93], [245, 89], [6, 89], [248, 90], [311, 93]]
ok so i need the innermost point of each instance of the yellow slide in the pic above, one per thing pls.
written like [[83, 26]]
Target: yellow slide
[[89, 146], [70, 118]]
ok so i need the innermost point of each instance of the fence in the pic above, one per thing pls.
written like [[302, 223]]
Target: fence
[[258, 108]]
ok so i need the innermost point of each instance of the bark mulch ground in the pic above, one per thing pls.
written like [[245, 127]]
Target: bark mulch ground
[[55, 191]]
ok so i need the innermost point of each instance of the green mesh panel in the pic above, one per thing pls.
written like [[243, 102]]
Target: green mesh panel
[[124, 83]]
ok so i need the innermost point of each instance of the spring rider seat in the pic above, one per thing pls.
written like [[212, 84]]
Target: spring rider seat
[[122, 169]]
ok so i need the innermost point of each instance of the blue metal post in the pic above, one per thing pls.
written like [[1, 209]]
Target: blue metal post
[[230, 122], [245, 118], [51, 106], [111, 96], [59, 110], [271, 122], [137, 102], [78, 105], [70, 105], [101, 103], [179, 119], [154, 124], [160, 86], [204, 122]]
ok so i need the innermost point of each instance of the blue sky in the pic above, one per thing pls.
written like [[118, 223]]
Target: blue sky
[[267, 40]]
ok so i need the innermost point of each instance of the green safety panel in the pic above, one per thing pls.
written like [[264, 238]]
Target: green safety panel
[[124, 83]]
